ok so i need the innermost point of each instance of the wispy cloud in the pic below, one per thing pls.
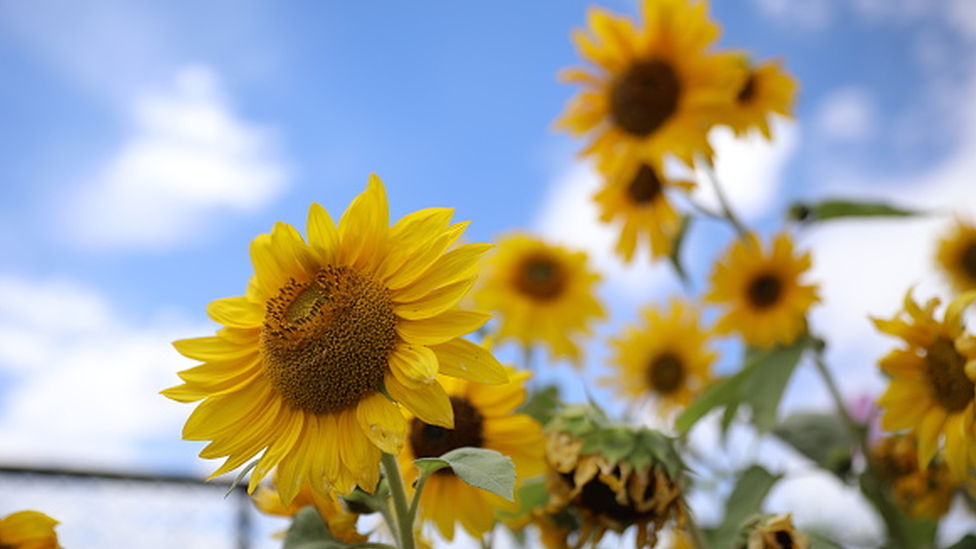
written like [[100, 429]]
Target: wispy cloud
[[847, 115], [188, 157]]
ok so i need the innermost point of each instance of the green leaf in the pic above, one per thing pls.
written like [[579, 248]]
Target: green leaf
[[834, 209], [240, 477], [744, 502], [967, 542], [479, 467], [542, 405], [309, 531], [532, 495], [821, 437], [675, 255], [759, 385]]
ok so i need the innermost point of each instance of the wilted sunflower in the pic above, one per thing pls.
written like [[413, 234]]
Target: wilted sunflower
[[28, 530], [484, 417], [540, 293], [613, 476], [298, 375], [956, 256], [774, 532], [636, 193], [667, 357], [767, 90], [654, 86], [931, 392], [920, 492], [766, 301], [340, 520]]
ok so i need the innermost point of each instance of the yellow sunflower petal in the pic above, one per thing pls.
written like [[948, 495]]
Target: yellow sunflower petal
[[464, 359], [441, 328], [382, 422], [428, 402], [414, 365]]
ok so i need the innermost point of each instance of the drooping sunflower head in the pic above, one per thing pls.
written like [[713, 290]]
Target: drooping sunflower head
[[765, 299], [613, 476], [636, 194], [484, 417], [920, 492], [773, 532], [301, 374], [767, 90], [956, 256], [28, 530], [655, 84], [340, 520], [931, 390], [666, 358], [540, 293]]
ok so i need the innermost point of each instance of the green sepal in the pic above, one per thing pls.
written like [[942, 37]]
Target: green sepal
[[480, 467], [542, 405], [309, 531]]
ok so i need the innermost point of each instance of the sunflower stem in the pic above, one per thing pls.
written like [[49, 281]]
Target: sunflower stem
[[889, 513], [723, 201], [399, 497]]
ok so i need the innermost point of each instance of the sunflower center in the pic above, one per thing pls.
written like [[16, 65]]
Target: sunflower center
[[784, 539], [645, 187], [325, 342], [666, 373], [540, 277], [765, 291], [600, 499], [434, 441], [748, 91], [644, 97], [947, 375], [969, 260]]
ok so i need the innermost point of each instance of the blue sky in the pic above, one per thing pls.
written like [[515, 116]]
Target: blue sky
[[143, 145]]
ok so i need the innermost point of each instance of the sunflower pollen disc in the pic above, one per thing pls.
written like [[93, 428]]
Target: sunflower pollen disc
[[947, 374], [540, 277], [784, 539], [644, 97], [765, 291], [326, 342], [434, 441], [748, 91], [666, 373], [968, 260], [645, 187]]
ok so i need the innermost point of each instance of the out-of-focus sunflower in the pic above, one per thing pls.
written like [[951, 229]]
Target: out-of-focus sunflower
[[613, 476], [484, 417], [931, 391], [920, 492], [636, 194], [767, 90], [766, 301], [774, 532], [340, 520], [28, 530], [540, 294], [655, 85], [956, 256], [294, 377], [667, 357]]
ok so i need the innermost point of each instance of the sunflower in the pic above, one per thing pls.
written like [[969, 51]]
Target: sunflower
[[655, 86], [766, 301], [637, 194], [667, 357], [541, 293], [340, 520], [956, 256], [767, 90], [920, 492], [28, 530], [775, 532], [302, 371], [483, 418], [931, 391]]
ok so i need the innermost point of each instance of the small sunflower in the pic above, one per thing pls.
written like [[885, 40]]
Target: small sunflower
[[28, 530], [767, 302], [484, 417], [931, 391], [956, 256], [299, 375], [667, 357], [767, 90], [774, 532], [654, 86], [613, 477], [920, 492], [540, 293], [637, 194], [340, 520]]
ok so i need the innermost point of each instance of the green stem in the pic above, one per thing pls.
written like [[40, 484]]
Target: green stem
[[724, 201], [415, 503], [889, 513], [370, 545], [399, 497]]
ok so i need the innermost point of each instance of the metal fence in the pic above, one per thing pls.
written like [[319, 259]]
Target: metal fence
[[106, 510]]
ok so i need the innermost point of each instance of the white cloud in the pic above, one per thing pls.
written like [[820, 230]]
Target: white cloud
[[805, 14], [188, 158], [84, 382], [847, 115], [961, 15]]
